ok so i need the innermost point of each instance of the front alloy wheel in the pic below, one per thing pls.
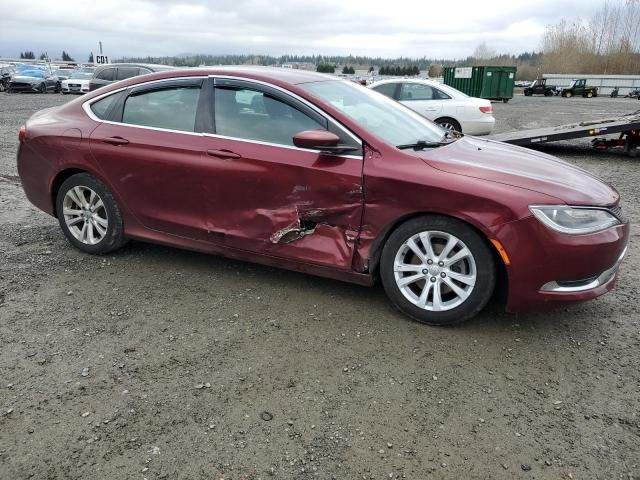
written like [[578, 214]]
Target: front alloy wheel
[[437, 270]]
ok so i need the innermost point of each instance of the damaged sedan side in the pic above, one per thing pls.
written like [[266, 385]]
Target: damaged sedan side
[[302, 171]]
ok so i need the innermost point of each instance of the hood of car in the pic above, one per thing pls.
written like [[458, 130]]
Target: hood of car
[[523, 168]]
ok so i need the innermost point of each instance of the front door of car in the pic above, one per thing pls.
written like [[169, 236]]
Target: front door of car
[[152, 150], [421, 98], [271, 197]]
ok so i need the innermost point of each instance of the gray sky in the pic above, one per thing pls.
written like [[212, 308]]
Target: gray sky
[[389, 28]]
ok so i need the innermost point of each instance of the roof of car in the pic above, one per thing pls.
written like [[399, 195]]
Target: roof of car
[[284, 75]]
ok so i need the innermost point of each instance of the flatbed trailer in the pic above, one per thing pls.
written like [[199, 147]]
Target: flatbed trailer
[[628, 126]]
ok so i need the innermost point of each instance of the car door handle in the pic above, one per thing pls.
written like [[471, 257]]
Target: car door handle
[[227, 154], [116, 141]]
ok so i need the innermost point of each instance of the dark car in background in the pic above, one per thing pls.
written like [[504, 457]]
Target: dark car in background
[[6, 72], [36, 80], [114, 72]]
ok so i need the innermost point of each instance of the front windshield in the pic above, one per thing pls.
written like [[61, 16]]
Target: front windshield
[[79, 75], [387, 119]]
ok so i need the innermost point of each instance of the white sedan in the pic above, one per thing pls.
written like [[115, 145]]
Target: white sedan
[[444, 105], [78, 82]]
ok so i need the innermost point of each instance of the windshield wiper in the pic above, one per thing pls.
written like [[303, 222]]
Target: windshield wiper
[[421, 145]]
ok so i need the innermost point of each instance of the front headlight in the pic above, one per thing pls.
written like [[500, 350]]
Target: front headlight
[[574, 220]]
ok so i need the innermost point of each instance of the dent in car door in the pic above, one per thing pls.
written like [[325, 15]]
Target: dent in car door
[[277, 199]]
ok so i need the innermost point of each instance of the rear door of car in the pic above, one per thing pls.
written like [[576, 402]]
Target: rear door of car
[[271, 197], [151, 148], [421, 98]]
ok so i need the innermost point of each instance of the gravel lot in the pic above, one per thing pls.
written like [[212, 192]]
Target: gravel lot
[[158, 363]]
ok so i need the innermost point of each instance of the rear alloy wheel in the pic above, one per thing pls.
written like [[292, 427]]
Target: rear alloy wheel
[[449, 124], [437, 270], [89, 215], [589, 94], [42, 88], [567, 94]]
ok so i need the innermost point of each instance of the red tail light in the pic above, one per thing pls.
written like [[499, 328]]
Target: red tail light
[[22, 133], [488, 109]]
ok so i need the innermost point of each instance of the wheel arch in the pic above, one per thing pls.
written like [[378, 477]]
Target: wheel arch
[[448, 117], [502, 276], [59, 179]]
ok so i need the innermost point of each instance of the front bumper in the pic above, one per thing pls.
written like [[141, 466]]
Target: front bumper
[[23, 87], [75, 88], [549, 268], [577, 286]]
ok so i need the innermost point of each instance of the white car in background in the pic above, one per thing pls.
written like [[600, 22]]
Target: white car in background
[[444, 105], [78, 82]]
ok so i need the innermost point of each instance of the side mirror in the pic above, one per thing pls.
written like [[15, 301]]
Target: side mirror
[[321, 140]]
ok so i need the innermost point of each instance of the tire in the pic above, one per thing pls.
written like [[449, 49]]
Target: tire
[[58, 88], [104, 232], [527, 94], [505, 100], [455, 307], [567, 94], [449, 124], [42, 88], [548, 93], [589, 94]]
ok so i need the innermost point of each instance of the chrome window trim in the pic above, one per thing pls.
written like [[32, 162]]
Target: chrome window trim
[[86, 106]]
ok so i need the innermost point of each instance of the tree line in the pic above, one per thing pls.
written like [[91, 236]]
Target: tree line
[[29, 55], [398, 70]]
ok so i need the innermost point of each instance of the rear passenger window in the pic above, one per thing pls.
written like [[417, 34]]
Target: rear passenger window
[[440, 95], [170, 108], [127, 72], [415, 91], [107, 74], [101, 107]]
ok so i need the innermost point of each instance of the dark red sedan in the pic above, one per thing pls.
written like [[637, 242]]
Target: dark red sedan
[[303, 171]]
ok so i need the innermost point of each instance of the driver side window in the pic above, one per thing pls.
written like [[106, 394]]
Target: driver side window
[[255, 115]]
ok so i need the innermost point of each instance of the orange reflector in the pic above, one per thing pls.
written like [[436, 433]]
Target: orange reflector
[[501, 251]]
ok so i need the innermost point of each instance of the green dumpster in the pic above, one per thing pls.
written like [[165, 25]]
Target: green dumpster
[[493, 83]]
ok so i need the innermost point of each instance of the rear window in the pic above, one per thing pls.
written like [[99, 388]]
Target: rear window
[[101, 107], [170, 108], [107, 74]]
